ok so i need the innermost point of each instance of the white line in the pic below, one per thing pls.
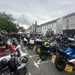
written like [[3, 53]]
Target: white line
[[26, 51], [39, 61], [42, 62], [29, 73], [36, 65], [31, 56]]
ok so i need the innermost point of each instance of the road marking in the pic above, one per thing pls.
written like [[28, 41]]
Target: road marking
[[42, 62], [26, 51], [25, 48], [36, 65], [31, 56], [39, 61], [29, 73]]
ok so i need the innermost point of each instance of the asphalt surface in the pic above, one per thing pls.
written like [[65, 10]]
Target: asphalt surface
[[38, 67]]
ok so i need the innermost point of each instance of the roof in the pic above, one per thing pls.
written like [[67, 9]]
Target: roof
[[48, 22], [72, 14], [69, 15]]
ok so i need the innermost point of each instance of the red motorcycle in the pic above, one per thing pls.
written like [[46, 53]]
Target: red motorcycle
[[4, 47]]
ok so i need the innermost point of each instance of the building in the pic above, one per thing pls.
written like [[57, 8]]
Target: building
[[59, 25], [46, 26], [69, 21], [67, 24], [32, 28]]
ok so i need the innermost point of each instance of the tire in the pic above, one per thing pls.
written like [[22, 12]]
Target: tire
[[59, 64], [25, 60]]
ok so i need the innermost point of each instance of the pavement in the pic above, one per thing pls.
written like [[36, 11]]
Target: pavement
[[38, 67]]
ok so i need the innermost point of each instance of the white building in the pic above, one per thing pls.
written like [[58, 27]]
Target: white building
[[66, 23], [46, 26], [69, 21], [58, 25]]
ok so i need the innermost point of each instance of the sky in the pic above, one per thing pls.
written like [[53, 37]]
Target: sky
[[27, 11]]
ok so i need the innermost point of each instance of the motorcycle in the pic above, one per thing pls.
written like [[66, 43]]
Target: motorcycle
[[45, 51], [14, 66], [12, 60], [65, 58], [38, 44]]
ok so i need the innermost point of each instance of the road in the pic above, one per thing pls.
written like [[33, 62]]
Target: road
[[37, 67]]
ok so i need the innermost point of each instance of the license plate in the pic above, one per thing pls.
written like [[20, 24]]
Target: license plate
[[68, 68]]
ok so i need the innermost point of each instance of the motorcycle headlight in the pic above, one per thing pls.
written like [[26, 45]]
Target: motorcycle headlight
[[24, 59]]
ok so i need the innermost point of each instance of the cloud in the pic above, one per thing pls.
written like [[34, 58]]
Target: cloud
[[66, 2], [23, 20], [27, 11], [24, 25]]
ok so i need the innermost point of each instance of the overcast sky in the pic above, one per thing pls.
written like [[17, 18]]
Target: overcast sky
[[27, 11]]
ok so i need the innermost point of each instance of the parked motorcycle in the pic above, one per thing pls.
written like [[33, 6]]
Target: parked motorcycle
[[45, 50], [65, 58], [14, 66], [12, 59]]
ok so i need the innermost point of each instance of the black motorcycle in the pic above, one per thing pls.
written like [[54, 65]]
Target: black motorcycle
[[65, 57], [45, 51], [15, 65]]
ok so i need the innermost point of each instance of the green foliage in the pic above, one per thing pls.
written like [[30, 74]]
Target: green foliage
[[6, 23]]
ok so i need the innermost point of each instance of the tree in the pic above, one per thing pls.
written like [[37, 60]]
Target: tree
[[21, 29], [6, 23]]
